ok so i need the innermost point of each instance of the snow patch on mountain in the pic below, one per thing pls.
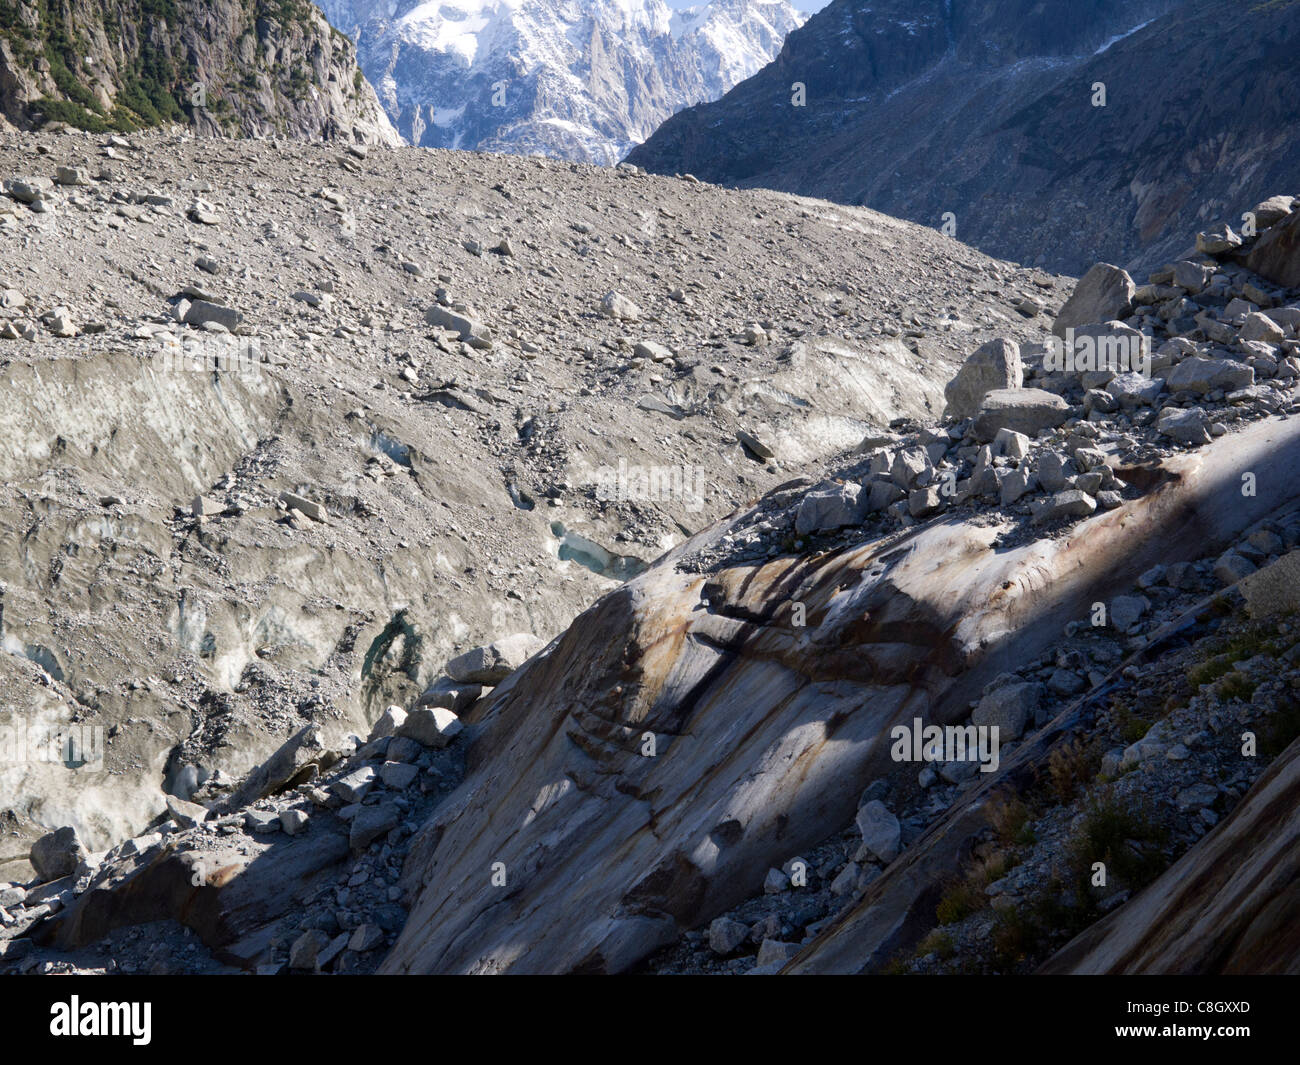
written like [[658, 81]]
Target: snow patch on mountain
[[584, 80]]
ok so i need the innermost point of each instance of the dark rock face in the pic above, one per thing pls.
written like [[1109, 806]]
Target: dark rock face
[[1277, 255], [986, 110], [228, 67]]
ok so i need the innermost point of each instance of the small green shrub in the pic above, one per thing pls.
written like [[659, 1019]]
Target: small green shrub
[[1125, 837], [71, 113]]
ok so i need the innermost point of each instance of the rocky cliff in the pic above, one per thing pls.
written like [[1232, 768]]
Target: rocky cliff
[[235, 67], [988, 116]]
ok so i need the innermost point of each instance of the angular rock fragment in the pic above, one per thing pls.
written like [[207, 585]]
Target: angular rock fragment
[[433, 726], [1024, 410], [1276, 255], [201, 312], [1103, 294], [1072, 503], [57, 854], [371, 823], [617, 306], [726, 936], [467, 329], [995, 365], [1010, 708], [881, 832], [1202, 375], [1185, 426], [491, 664], [831, 508]]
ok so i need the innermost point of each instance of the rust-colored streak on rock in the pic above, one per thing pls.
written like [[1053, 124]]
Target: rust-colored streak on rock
[[769, 729]]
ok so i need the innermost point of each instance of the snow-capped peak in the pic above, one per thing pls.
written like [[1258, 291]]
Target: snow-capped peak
[[578, 79]]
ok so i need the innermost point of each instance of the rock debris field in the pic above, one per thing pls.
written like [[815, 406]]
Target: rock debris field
[[314, 455]]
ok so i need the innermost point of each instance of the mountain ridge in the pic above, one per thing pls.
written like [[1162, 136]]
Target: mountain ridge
[[582, 82], [986, 111]]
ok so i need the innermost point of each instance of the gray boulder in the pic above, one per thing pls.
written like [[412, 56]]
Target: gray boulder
[[1010, 444], [353, 786], [306, 949], [1272, 211], [726, 936], [1185, 426], [1134, 390], [201, 312], [1193, 277], [1203, 375], [433, 726], [619, 307], [1104, 349], [29, 189], [262, 822], [1024, 410], [993, 366], [1054, 472], [1072, 503], [831, 508], [1276, 255], [369, 936], [492, 663], [773, 953], [57, 854], [186, 814], [1010, 707], [911, 468], [293, 821], [1258, 326], [398, 775], [388, 722], [882, 494], [1231, 567], [1104, 293], [1217, 241], [924, 502], [468, 329], [372, 822], [71, 175], [1127, 610], [450, 696], [881, 832], [1275, 589], [1014, 484]]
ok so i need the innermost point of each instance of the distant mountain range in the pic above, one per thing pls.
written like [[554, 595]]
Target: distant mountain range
[[584, 80], [988, 114]]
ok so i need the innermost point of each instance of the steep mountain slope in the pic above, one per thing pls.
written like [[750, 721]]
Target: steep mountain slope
[[574, 80], [241, 67], [985, 110]]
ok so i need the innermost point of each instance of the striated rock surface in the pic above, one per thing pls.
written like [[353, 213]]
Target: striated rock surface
[[763, 732], [289, 530]]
